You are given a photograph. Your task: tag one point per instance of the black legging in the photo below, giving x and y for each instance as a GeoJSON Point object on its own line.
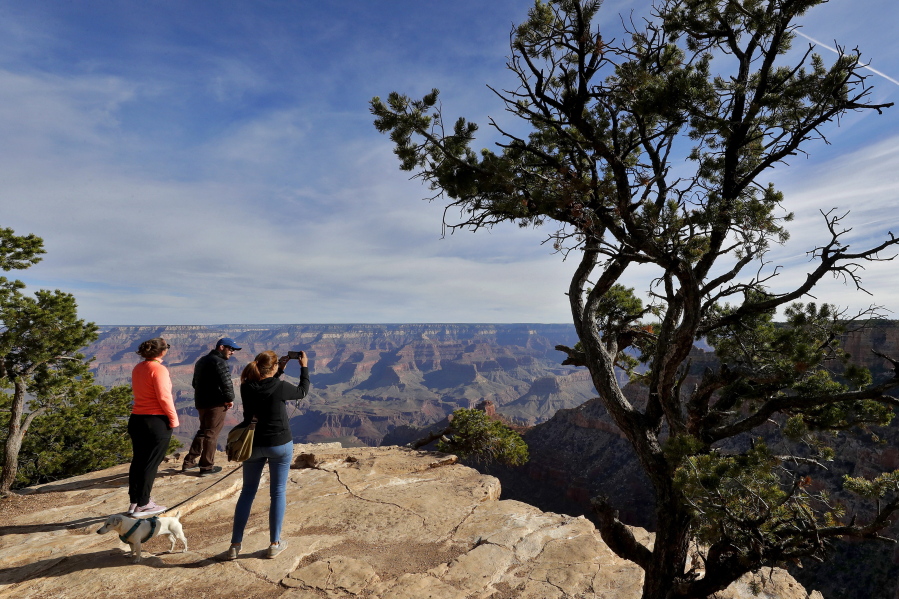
{"type": "Point", "coordinates": [150, 436]}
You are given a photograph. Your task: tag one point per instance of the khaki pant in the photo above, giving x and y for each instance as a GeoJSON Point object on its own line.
{"type": "Point", "coordinates": [206, 439]}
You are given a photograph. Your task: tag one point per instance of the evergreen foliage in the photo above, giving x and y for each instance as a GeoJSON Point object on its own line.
{"type": "Point", "coordinates": [87, 430]}
{"type": "Point", "coordinates": [472, 434]}
{"type": "Point", "coordinates": [40, 336]}
{"type": "Point", "coordinates": [712, 81]}
{"type": "Point", "coordinates": [18, 252]}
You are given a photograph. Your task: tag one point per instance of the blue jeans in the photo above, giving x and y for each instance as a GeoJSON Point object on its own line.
{"type": "Point", "coordinates": [278, 459]}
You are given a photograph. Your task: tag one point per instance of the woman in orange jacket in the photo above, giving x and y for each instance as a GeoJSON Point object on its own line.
{"type": "Point", "coordinates": [150, 426]}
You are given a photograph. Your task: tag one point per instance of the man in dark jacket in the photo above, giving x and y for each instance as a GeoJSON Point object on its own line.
{"type": "Point", "coordinates": [213, 396]}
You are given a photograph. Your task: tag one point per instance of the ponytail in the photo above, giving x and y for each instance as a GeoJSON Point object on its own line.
{"type": "Point", "coordinates": [263, 366]}
{"type": "Point", "coordinates": [250, 373]}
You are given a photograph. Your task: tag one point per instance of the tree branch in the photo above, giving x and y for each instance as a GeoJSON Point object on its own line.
{"type": "Point", "coordinates": [617, 536]}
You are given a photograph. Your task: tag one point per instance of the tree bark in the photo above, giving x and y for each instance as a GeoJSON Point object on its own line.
{"type": "Point", "coordinates": [669, 554]}
{"type": "Point", "coordinates": [430, 437]}
{"type": "Point", "coordinates": [15, 432]}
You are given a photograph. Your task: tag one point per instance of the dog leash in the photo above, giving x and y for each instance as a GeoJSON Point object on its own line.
{"type": "Point", "coordinates": [180, 503]}
{"type": "Point", "coordinates": [295, 409]}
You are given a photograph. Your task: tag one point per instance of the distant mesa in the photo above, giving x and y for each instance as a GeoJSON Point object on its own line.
{"type": "Point", "coordinates": [368, 379]}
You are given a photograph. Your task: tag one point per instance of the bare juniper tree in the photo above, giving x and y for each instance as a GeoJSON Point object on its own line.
{"type": "Point", "coordinates": [650, 153]}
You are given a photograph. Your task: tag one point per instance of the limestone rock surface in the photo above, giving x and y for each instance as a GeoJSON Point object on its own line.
{"type": "Point", "coordinates": [378, 523]}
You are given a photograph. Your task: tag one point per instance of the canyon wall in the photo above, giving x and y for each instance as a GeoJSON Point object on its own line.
{"type": "Point", "coordinates": [368, 379]}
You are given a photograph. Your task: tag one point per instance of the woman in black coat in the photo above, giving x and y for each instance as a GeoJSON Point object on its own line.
{"type": "Point", "coordinates": [264, 397]}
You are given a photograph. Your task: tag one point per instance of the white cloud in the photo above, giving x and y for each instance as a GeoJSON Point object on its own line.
{"type": "Point", "coordinates": [864, 184]}
{"type": "Point", "coordinates": [41, 112]}
{"type": "Point", "coordinates": [245, 193]}
{"type": "Point", "coordinates": [240, 245]}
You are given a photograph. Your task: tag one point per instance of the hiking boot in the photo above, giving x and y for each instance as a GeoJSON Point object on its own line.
{"type": "Point", "coordinates": [211, 471]}
{"type": "Point", "coordinates": [186, 466]}
{"type": "Point", "coordinates": [274, 550]}
{"type": "Point", "coordinates": [151, 509]}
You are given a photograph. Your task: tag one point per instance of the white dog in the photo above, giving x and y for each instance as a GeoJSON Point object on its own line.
{"type": "Point", "coordinates": [135, 531]}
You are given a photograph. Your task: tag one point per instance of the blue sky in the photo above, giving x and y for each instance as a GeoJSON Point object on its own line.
{"type": "Point", "coordinates": [200, 162]}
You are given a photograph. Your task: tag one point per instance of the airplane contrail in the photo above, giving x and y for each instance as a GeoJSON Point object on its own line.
{"type": "Point", "coordinates": [875, 71]}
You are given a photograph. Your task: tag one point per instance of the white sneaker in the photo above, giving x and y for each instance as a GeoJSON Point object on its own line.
{"type": "Point", "coordinates": [151, 509]}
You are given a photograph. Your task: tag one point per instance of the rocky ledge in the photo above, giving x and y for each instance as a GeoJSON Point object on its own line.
{"type": "Point", "coordinates": [379, 523]}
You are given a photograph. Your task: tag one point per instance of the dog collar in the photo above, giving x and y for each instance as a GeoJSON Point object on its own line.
{"type": "Point", "coordinates": [154, 522]}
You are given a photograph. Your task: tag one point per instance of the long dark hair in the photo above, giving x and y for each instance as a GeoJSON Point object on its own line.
{"type": "Point", "coordinates": [261, 367]}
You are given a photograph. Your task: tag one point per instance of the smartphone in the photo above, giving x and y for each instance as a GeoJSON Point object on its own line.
{"type": "Point", "coordinates": [294, 355]}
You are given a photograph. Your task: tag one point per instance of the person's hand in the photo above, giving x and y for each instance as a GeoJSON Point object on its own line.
{"type": "Point", "coordinates": [303, 359]}
{"type": "Point", "coordinates": [282, 362]}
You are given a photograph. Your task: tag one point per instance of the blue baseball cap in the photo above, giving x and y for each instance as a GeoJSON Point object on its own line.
{"type": "Point", "coordinates": [227, 342]}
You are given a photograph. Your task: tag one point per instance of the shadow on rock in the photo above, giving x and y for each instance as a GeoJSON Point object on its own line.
{"type": "Point", "coordinates": [112, 481]}
{"type": "Point", "coordinates": [25, 529]}
{"type": "Point", "coordinates": [115, 558]}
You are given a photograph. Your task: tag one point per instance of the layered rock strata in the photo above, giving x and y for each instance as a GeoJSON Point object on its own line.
{"type": "Point", "coordinates": [369, 379]}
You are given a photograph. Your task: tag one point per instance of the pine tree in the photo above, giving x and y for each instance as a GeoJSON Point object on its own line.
{"type": "Point", "coordinates": [472, 434]}
{"type": "Point", "coordinates": [86, 430]}
{"type": "Point", "coordinates": [39, 341]}
{"type": "Point", "coordinates": [708, 80]}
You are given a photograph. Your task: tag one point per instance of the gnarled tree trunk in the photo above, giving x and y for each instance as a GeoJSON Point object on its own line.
{"type": "Point", "coordinates": [19, 422]}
